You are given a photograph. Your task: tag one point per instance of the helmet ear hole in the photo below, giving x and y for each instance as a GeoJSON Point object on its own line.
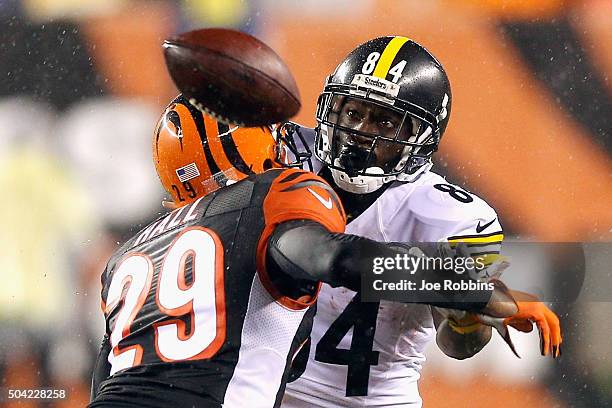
{"type": "Point", "coordinates": [268, 164]}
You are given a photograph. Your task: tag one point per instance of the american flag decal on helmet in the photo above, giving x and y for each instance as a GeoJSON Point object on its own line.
{"type": "Point", "coordinates": [187, 172]}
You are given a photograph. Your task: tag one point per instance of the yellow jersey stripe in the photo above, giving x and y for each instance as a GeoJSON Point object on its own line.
{"type": "Point", "coordinates": [491, 238]}
{"type": "Point", "coordinates": [387, 57]}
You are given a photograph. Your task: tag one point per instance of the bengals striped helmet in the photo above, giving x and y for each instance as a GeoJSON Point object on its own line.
{"type": "Point", "coordinates": [195, 155]}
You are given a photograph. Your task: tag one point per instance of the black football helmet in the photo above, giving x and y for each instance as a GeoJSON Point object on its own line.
{"type": "Point", "coordinates": [382, 113]}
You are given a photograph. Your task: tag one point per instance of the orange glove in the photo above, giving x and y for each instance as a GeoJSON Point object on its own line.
{"type": "Point", "coordinates": [530, 310]}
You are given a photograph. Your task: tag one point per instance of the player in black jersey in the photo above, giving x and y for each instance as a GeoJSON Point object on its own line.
{"type": "Point", "coordinates": [207, 305]}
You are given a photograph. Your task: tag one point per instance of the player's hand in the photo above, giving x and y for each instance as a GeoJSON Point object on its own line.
{"type": "Point", "coordinates": [530, 311]}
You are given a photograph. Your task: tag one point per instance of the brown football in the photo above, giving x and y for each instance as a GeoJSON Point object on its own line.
{"type": "Point", "coordinates": [233, 76]}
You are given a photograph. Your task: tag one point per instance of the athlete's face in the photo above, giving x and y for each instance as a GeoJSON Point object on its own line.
{"type": "Point", "coordinates": [367, 118]}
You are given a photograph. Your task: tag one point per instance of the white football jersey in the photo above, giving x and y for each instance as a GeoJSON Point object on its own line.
{"type": "Point", "coordinates": [371, 354]}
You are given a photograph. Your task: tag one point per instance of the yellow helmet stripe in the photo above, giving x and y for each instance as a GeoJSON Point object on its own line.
{"type": "Point", "coordinates": [387, 57]}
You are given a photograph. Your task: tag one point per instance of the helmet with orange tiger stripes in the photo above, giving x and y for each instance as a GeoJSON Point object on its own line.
{"type": "Point", "coordinates": [194, 154]}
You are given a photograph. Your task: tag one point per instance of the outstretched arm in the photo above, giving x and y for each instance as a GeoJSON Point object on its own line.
{"type": "Point", "coordinates": [307, 250]}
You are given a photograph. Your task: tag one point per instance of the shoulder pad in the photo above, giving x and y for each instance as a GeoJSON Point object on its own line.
{"type": "Point", "coordinates": [436, 201]}
{"type": "Point", "coordinates": [297, 194]}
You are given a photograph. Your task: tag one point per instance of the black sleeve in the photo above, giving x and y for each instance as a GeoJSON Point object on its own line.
{"type": "Point", "coordinates": [102, 368]}
{"type": "Point", "coordinates": [305, 250]}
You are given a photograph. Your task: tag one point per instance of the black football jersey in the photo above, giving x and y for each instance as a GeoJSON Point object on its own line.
{"type": "Point", "coordinates": [192, 315]}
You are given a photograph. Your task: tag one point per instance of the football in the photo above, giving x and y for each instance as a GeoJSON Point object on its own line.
{"type": "Point", "coordinates": [232, 76]}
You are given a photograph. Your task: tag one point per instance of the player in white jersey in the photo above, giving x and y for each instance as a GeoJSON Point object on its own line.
{"type": "Point", "coordinates": [380, 119]}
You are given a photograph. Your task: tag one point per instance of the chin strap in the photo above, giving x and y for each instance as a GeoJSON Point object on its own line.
{"type": "Point", "coordinates": [359, 184]}
{"type": "Point", "coordinates": [369, 184]}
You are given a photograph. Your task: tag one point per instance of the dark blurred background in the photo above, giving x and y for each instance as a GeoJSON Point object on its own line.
{"type": "Point", "coordinates": [82, 83]}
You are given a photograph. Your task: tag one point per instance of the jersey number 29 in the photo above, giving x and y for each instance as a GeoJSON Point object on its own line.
{"type": "Point", "coordinates": [202, 299]}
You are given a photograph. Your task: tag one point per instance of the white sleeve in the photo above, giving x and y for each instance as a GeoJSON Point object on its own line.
{"type": "Point", "coordinates": [482, 234]}
{"type": "Point", "coordinates": [438, 211]}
